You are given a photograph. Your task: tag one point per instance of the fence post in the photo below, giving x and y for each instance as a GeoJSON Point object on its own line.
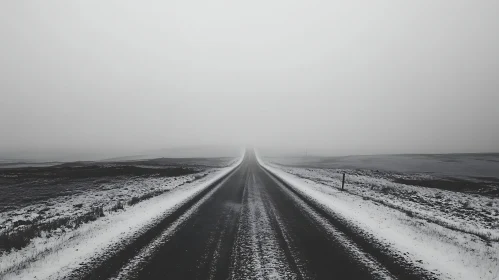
{"type": "Point", "coordinates": [343, 183]}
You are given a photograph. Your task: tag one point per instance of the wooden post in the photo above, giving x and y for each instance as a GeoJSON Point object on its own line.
{"type": "Point", "coordinates": [343, 183]}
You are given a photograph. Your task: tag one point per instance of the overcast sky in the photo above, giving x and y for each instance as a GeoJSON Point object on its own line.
{"type": "Point", "coordinates": [346, 77]}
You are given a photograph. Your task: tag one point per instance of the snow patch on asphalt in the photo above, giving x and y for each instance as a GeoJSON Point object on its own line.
{"type": "Point", "coordinates": [257, 253]}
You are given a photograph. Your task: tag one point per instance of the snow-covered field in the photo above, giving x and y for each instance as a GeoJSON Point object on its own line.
{"type": "Point", "coordinates": [107, 197]}
{"type": "Point", "coordinates": [453, 234]}
{"type": "Point", "coordinates": [445, 165]}
{"type": "Point", "coordinates": [88, 225]}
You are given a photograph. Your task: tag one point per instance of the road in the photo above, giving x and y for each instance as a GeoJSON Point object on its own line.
{"type": "Point", "coordinates": [251, 226]}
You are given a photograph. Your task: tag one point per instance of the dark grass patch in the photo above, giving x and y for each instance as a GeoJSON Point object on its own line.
{"type": "Point", "coordinates": [25, 231]}
{"type": "Point", "coordinates": [137, 199]}
{"type": "Point", "coordinates": [188, 162]}
{"type": "Point", "coordinates": [452, 184]}
{"type": "Point", "coordinates": [118, 206]}
{"type": "Point", "coordinates": [490, 179]}
{"type": "Point", "coordinates": [439, 195]}
{"type": "Point", "coordinates": [387, 190]}
{"type": "Point", "coordinates": [91, 171]}
{"type": "Point", "coordinates": [37, 185]}
{"type": "Point", "coordinates": [134, 201]}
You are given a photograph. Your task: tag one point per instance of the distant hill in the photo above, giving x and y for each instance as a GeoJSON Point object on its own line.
{"type": "Point", "coordinates": [42, 157]}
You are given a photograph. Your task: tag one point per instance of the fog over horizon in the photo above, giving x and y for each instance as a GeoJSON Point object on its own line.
{"type": "Point", "coordinates": [117, 78]}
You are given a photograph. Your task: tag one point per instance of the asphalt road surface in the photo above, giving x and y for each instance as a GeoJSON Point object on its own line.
{"type": "Point", "coordinates": [252, 226]}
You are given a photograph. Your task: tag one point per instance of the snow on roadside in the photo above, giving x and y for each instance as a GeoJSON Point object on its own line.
{"type": "Point", "coordinates": [449, 253]}
{"type": "Point", "coordinates": [469, 213]}
{"type": "Point", "coordinates": [57, 256]}
{"type": "Point", "coordinates": [106, 197]}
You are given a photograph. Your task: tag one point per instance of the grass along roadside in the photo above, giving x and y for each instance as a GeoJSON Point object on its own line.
{"type": "Point", "coordinates": [19, 233]}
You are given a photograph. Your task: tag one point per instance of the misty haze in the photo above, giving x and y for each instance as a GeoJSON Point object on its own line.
{"type": "Point", "coordinates": [249, 140]}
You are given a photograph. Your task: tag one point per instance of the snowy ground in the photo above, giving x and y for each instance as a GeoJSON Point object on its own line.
{"type": "Point", "coordinates": [86, 224]}
{"type": "Point", "coordinates": [453, 234]}
{"type": "Point", "coordinates": [481, 166]}
{"type": "Point", "coordinates": [107, 197]}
